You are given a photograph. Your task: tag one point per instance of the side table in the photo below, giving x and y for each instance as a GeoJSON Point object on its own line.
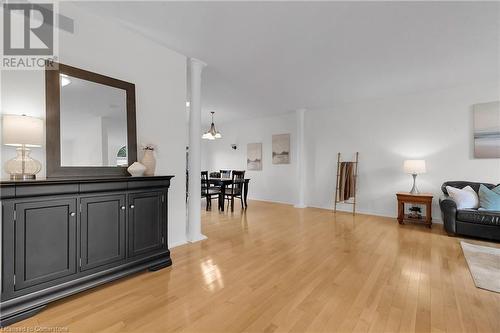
{"type": "Point", "coordinates": [409, 198]}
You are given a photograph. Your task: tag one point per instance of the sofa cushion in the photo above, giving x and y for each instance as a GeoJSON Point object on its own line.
{"type": "Point", "coordinates": [490, 199]}
{"type": "Point", "coordinates": [462, 184]}
{"type": "Point", "coordinates": [465, 198]}
{"type": "Point", "coordinates": [479, 216]}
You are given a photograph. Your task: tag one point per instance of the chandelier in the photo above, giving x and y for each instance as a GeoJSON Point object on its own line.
{"type": "Point", "coordinates": [212, 133]}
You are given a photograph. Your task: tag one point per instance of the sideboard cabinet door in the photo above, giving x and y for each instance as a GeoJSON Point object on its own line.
{"type": "Point", "coordinates": [102, 238]}
{"type": "Point", "coordinates": [45, 238]}
{"type": "Point", "coordinates": [145, 222]}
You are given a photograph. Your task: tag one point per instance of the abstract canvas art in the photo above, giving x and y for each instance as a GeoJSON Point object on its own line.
{"type": "Point", "coordinates": [487, 130]}
{"type": "Point", "coordinates": [254, 156]}
{"type": "Point", "coordinates": [281, 149]}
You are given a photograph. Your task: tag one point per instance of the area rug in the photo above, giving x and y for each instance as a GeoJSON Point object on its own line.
{"type": "Point", "coordinates": [484, 265]}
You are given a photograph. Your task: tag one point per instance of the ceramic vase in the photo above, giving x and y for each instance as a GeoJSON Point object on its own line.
{"type": "Point", "coordinates": [136, 169]}
{"type": "Point", "coordinates": [149, 161]}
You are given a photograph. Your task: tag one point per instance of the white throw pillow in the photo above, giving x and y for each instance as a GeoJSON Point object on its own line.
{"type": "Point", "coordinates": [465, 198]}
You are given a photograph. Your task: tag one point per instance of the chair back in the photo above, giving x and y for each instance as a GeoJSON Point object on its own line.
{"type": "Point", "coordinates": [215, 174]}
{"type": "Point", "coordinates": [238, 180]}
{"type": "Point", "coordinates": [204, 182]}
{"type": "Point", "coordinates": [225, 173]}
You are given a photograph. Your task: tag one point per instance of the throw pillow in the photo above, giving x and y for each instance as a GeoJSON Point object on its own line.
{"type": "Point", "coordinates": [465, 198]}
{"type": "Point", "coordinates": [489, 199]}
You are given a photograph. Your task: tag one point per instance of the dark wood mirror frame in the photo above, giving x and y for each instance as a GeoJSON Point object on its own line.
{"type": "Point", "coordinates": [53, 123]}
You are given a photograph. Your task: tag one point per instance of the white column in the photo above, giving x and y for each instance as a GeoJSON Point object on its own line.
{"type": "Point", "coordinates": [194, 163]}
{"type": "Point", "coordinates": [301, 160]}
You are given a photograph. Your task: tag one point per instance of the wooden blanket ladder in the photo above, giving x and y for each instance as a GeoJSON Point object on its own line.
{"type": "Point", "coordinates": [338, 185]}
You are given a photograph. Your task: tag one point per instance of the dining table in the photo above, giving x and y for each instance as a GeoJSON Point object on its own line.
{"type": "Point", "coordinates": [223, 183]}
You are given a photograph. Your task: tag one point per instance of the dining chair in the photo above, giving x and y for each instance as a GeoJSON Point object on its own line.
{"type": "Point", "coordinates": [236, 189]}
{"type": "Point", "coordinates": [203, 184]}
{"type": "Point", "coordinates": [208, 191]}
{"type": "Point", "coordinates": [215, 174]}
{"type": "Point", "coordinates": [225, 173]}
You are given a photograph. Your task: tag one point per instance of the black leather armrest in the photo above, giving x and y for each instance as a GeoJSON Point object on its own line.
{"type": "Point", "coordinates": [448, 213]}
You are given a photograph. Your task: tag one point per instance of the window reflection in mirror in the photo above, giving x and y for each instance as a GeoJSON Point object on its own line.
{"type": "Point", "coordinates": [93, 123]}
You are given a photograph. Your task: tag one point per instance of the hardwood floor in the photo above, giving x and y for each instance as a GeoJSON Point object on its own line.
{"type": "Point", "coordinates": [280, 269]}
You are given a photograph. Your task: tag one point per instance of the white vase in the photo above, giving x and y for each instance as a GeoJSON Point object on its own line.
{"type": "Point", "coordinates": [149, 161]}
{"type": "Point", "coordinates": [136, 169]}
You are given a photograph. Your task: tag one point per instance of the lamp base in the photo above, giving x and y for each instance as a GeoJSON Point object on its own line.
{"type": "Point", "coordinates": [414, 189]}
{"type": "Point", "coordinates": [22, 167]}
{"type": "Point", "coordinates": [22, 177]}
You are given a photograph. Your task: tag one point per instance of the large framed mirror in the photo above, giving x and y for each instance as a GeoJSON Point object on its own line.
{"type": "Point", "coordinates": [91, 127]}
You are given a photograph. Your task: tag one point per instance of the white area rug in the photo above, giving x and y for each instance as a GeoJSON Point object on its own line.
{"type": "Point", "coordinates": [484, 265]}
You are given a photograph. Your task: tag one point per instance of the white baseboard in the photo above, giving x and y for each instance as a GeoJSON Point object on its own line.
{"type": "Point", "coordinates": [300, 206]}
{"type": "Point", "coordinates": [178, 243]}
{"type": "Point", "coordinates": [434, 219]}
{"type": "Point", "coordinates": [273, 201]}
{"type": "Point", "coordinates": [364, 212]}
{"type": "Point", "coordinates": [196, 238]}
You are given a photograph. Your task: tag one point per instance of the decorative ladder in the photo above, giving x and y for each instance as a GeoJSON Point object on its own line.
{"type": "Point", "coordinates": [337, 187]}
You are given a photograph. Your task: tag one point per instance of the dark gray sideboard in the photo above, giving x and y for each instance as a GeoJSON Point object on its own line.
{"type": "Point", "coordinates": [63, 236]}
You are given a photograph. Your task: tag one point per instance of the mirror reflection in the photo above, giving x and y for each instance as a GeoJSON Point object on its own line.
{"type": "Point", "coordinates": [93, 123]}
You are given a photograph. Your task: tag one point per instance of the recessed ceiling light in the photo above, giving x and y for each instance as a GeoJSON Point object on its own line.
{"type": "Point", "coordinates": [188, 104]}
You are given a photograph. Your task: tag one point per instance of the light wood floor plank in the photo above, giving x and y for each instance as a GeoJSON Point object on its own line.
{"type": "Point", "coordinates": [275, 268]}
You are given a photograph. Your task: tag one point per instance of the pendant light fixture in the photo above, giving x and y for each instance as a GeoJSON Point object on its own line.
{"type": "Point", "coordinates": [212, 133]}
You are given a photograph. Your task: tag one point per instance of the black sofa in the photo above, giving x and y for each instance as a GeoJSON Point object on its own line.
{"type": "Point", "coordinates": [468, 222]}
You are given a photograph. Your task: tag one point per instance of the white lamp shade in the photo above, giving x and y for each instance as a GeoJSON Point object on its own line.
{"type": "Point", "coordinates": [414, 166]}
{"type": "Point", "coordinates": [22, 130]}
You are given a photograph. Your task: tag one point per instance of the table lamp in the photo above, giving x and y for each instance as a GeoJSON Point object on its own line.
{"type": "Point", "coordinates": [414, 168]}
{"type": "Point", "coordinates": [23, 132]}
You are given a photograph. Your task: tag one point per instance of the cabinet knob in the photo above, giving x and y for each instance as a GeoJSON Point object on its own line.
{"type": "Point", "coordinates": [72, 214]}
{"type": "Point", "coordinates": [122, 207]}
{"type": "Point", "coordinates": [132, 206]}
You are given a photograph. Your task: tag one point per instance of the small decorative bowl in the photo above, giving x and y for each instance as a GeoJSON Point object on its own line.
{"type": "Point", "coordinates": [136, 169]}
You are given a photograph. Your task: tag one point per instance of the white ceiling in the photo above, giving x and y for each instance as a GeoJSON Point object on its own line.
{"type": "Point", "coordinates": [268, 58]}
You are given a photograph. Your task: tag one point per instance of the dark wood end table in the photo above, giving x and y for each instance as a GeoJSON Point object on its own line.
{"type": "Point", "coordinates": [420, 198]}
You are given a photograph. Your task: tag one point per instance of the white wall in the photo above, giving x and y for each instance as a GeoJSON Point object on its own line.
{"type": "Point", "coordinates": [22, 92]}
{"type": "Point", "coordinates": [274, 182]}
{"type": "Point", "coordinates": [159, 75]}
{"type": "Point", "coordinates": [434, 126]}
